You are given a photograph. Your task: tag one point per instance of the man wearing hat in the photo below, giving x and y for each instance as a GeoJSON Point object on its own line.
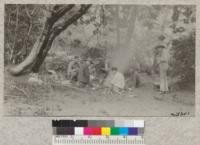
{"type": "Point", "coordinates": [163, 67]}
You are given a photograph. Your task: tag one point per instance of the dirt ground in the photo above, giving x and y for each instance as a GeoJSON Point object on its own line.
{"type": "Point", "coordinates": [22, 98]}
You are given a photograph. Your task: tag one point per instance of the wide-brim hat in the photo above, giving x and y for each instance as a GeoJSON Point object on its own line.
{"type": "Point", "coordinates": [160, 47]}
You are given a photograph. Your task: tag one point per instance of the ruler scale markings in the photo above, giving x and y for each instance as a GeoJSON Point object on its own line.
{"type": "Point", "coordinates": [103, 141]}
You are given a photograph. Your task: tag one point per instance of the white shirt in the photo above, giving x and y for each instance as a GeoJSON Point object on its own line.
{"type": "Point", "coordinates": [118, 80]}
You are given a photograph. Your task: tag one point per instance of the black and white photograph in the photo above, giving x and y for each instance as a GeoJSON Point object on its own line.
{"type": "Point", "coordinates": [99, 60]}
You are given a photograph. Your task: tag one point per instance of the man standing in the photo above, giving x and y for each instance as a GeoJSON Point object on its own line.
{"type": "Point", "coordinates": [163, 66]}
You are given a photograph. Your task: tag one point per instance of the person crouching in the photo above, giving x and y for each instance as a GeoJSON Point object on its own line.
{"type": "Point", "coordinates": [118, 81]}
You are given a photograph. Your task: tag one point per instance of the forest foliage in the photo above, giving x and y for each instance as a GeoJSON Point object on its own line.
{"type": "Point", "coordinates": [107, 31]}
{"type": "Point", "coordinates": [23, 24]}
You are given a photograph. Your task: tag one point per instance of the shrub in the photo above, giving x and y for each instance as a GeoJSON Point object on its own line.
{"type": "Point", "coordinates": [183, 63]}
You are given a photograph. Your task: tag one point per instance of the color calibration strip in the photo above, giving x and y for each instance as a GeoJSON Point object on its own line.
{"type": "Point", "coordinates": [98, 127]}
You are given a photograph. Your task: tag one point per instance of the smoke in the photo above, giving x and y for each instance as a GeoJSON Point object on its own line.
{"type": "Point", "coordinates": [122, 59]}
{"type": "Point", "coordinates": [139, 51]}
{"type": "Point", "coordinates": [142, 42]}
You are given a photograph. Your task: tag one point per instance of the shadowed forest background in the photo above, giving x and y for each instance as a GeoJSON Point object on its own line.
{"type": "Point", "coordinates": [41, 40]}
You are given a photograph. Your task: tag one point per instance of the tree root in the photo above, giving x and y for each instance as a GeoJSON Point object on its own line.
{"type": "Point", "coordinates": [21, 91]}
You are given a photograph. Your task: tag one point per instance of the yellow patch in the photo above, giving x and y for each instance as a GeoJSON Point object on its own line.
{"type": "Point", "coordinates": [105, 131]}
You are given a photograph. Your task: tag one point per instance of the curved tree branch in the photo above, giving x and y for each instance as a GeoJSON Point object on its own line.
{"type": "Point", "coordinates": [60, 12]}
{"type": "Point", "coordinates": [52, 29]}
{"type": "Point", "coordinates": [74, 17]}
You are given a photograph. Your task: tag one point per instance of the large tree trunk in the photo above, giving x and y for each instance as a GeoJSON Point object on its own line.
{"type": "Point", "coordinates": [73, 16]}
{"type": "Point", "coordinates": [51, 30]}
{"type": "Point", "coordinates": [28, 62]}
{"type": "Point", "coordinates": [117, 27]}
{"type": "Point", "coordinates": [131, 27]}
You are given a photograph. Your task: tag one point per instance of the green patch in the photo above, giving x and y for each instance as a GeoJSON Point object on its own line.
{"type": "Point", "coordinates": [114, 131]}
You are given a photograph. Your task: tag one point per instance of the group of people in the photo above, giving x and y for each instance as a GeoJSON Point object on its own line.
{"type": "Point", "coordinates": [83, 71]}
{"type": "Point", "coordinates": [78, 71]}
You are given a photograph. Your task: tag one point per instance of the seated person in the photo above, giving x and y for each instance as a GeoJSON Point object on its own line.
{"type": "Point", "coordinates": [133, 78]}
{"type": "Point", "coordinates": [118, 80]}
{"type": "Point", "coordinates": [84, 74]}
{"type": "Point", "coordinates": [74, 73]}
{"type": "Point", "coordinates": [72, 63]}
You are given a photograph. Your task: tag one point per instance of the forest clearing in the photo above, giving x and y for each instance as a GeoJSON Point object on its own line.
{"type": "Point", "coordinates": [99, 60]}
{"type": "Point", "coordinates": [48, 100]}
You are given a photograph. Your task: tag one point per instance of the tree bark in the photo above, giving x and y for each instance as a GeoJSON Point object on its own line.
{"type": "Point", "coordinates": [56, 31]}
{"type": "Point", "coordinates": [131, 27]}
{"type": "Point", "coordinates": [50, 32]}
{"type": "Point", "coordinates": [23, 66]}
{"type": "Point", "coordinates": [117, 27]}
